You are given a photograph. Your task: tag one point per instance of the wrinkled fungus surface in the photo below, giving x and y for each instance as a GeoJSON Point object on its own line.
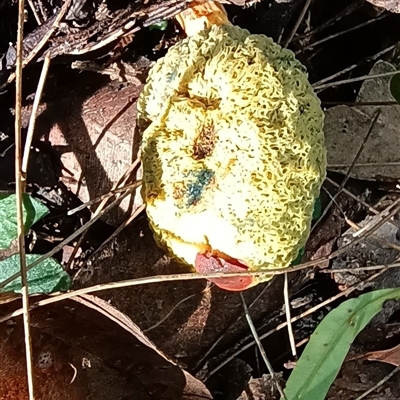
{"type": "Point", "coordinates": [233, 149]}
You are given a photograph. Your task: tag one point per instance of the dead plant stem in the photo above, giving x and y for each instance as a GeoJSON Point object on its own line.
{"type": "Point", "coordinates": [32, 119]}
{"type": "Point", "coordinates": [19, 190]}
{"type": "Point", "coordinates": [261, 348]}
{"type": "Point", "coordinates": [288, 316]}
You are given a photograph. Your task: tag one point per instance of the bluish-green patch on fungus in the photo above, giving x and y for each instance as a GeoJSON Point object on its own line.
{"type": "Point", "coordinates": [195, 189]}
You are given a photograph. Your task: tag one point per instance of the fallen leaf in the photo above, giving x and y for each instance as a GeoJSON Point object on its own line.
{"type": "Point", "coordinates": [369, 251]}
{"type": "Point", "coordinates": [101, 350]}
{"type": "Point", "coordinates": [389, 5]}
{"type": "Point", "coordinates": [93, 131]}
{"type": "Point", "coordinates": [346, 128]}
{"type": "Point", "coordinates": [390, 356]}
{"type": "Point", "coordinates": [263, 388]}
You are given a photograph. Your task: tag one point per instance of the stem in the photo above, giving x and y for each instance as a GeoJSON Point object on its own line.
{"type": "Point", "coordinates": [202, 15]}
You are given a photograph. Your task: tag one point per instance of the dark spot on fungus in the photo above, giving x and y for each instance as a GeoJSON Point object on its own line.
{"type": "Point", "coordinates": [205, 143]}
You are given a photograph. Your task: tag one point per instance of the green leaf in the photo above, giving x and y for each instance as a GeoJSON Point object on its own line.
{"type": "Point", "coordinates": [33, 211]}
{"type": "Point", "coordinates": [323, 356]}
{"type": "Point", "coordinates": [395, 87]}
{"type": "Point", "coordinates": [47, 277]}
{"type": "Point", "coordinates": [300, 255]}
{"type": "Point", "coordinates": [317, 209]}
{"type": "Point", "coordinates": [161, 26]}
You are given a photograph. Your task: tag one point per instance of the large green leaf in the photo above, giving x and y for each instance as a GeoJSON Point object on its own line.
{"type": "Point", "coordinates": [48, 276]}
{"type": "Point", "coordinates": [395, 87]}
{"type": "Point", "coordinates": [33, 211]}
{"type": "Point", "coordinates": [323, 356]}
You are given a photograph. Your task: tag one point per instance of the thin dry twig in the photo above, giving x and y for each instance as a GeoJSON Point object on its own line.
{"type": "Point", "coordinates": [271, 273]}
{"type": "Point", "coordinates": [32, 119]}
{"type": "Point", "coordinates": [120, 228]}
{"type": "Point", "coordinates": [356, 79]}
{"type": "Point", "coordinates": [366, 165]}
{"type": "Point", "coordinates": [297, 24]}
{"type": "Point", "coordinates": [19, 190]}
{"type": "Point", "coordinates": [347, 176]}
{"type": "Point", "coordinates": [371, 223]}
{"type": "Point", "coordinates": [370, 231]}
{"type": "Point", "coordinates": [362, 202]}
{"type": "Point", "coordinates": [35, 13]}
{"type": "Point", "coordinates": [380, 240]}
{"type": "Point", "coordinates": [288, 316]}
{"type": "Point", "coordinates": [111, 193]}
{"type": "Point", "coordinates": [167, 278]}
{"type": "Point", "coordinates": [353, 66]}
{"type": "Point", "coordinates": [361, 269]}
{"type": "Point", "coordinates": [195, 276]}
{"type": "Point", "coordinates": [82, 229]}
{"type": "Point", "coordinates": [380, 383]}
{"type": "Point", "coordinates": [163, 319]}
{"type": "Point", "coordinates": [127, 29]}
{"type": "Point", "coordinates": [336, 18]}
{"type": "Point", "coordinates": [223, 334]}
{"type": "Point", "coordinates": [118, 185]}
{"type": "Point", "coordinates": [75, 373]}
{"type": "Point", "coordinates": [3, 154]}
{"type": "Point", "coordinates": [35, 51]}
{"type": "Point", "coordinates": [335, 35]}
{"type": "Point", "coordinates": [261, 348]}
{"type": "Point", "coordinates": [360, 103]}
{"type": "Point", "coordinates": [284, 324]}
{"type": "Point", "coordinates": [360, 230]}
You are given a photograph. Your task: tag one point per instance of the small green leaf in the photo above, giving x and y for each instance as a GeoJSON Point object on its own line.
{"type": "Point", "coordinates": [300, 255]}
{"type": "Point", "coordinates": [161, 26]}
{"type": "Point", "coordinates": [323, 356]}
{"type": "Point", "coordinates": [33, 211]}
{"type": "Point", "coordinates": [395, 87]}
{"type": "Point", "coordinates": [317, 209]}
{"type": "Point", "coordinates": [47, 277]}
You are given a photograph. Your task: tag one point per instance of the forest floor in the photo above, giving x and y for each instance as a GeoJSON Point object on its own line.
{"type": "Point", "coordinates": [186, 339]}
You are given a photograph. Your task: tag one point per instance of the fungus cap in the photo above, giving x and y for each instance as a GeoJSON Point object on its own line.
{"type": "Point", "coordinates": [232, 149]}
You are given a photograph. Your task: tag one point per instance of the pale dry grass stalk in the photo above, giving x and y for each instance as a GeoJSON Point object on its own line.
{"type": "Point", "coordinates": [19, 191]}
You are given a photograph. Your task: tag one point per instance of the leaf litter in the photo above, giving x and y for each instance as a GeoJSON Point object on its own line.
{"type": "Point", "coordinates": [204, 316]}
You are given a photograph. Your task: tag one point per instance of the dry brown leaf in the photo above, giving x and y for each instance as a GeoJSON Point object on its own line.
{"type": "Point", "coordinates": [81, 352]}
{"type": "Point", "coordinates": [390, 356]}
{"type": "Point", "coordinates": [91, 126]}
{"type": "Point", "coordinates": [389, 5]}
{"type": "Point", "coordinates": [346, 127]}
{"type": "Point", "coordinates": [262, 388]}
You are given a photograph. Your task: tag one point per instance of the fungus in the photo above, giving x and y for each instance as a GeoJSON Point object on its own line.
{"type": "Point", "coordinates": [232, 148]}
